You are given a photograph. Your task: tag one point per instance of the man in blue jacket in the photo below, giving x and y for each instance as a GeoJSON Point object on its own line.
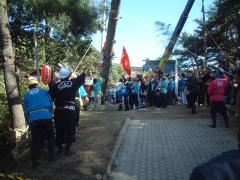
{"type": "Point", "coordinates": [38, 108]}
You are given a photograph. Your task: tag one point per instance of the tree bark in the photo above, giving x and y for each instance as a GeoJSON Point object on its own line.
{"type": "Point", "coordinates": [12, 91]}
{"type": "Point", "coordinates": [113, 17]}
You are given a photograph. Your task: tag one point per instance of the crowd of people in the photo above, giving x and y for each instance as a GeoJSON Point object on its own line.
{"type": "Point", "coordinates": [54, 114]}
{"type": "Point", "coordinates": [215, 87]}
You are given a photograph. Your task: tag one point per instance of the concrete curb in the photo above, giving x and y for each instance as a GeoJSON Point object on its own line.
{"type": "Point", "coordinates": [116, 148]}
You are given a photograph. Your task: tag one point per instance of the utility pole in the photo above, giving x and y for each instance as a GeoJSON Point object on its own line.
{"type": "Point", "coordinates": [204, 37]}
{"type": "Point", "coordinates": [175, 35]}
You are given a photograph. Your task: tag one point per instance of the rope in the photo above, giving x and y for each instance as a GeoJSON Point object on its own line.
{"type": "Point", "coordinates": [214, 41]}
{"type": "Point", "coordinates": [10, 176]}
{"type": "Point", "coordinates": [218, 68]}
{"type": "Point", "coordinates": [82, 57]}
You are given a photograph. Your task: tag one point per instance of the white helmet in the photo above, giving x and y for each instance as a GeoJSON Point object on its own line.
{"type": "Point", "coordinates": [64, 73]}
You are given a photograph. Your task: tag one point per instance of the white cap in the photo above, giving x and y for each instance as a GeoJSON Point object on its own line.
{"type": "Point", "coordinates": [64, 73]}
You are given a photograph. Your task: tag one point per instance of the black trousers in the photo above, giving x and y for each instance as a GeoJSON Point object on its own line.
{"type": "Point", "coordinates": [126, 102]}
{"type": "Point", "coordinates": [135, 100]}
{"type": "Point", "coordinates": [164, 100]}
{"type": "Point", "coordinates": [131, 100]}
{"type": "Point", "coordinates": [159, 101]}
{"type": "Point", "coordinates": [192, 97]}
{"type": "Point", "coordinates": [42, 130]}
{"type": "Point", "coordinates": [65, 125]}
{"type": "Point", "coordinates": [170, 97]}
{"type": "Point", "coordinates": [221, 108]}
{"type": "Point", "coordinates": [206, 96]}
{"type": "Point", "coordinates": [151, 98]}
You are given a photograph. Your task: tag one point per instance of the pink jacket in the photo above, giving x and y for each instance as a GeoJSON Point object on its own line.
{"type": "Point", "coordinates": [216, 89]}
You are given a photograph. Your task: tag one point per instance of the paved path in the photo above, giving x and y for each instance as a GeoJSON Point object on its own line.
{"type": "Point", "coordinates": [169, 148]}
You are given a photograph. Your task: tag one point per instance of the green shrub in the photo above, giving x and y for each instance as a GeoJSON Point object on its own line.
{"type": "Point", "coordinates": [4, 113]}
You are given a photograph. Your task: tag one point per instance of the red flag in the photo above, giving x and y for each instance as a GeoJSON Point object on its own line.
{"type": "Point", "coordinates": [125, 62]}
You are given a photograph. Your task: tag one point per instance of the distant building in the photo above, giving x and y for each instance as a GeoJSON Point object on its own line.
{"type": "Point", "coordinates": [136, 70]}
{"type": "Point", "coordinates": [153, 64]}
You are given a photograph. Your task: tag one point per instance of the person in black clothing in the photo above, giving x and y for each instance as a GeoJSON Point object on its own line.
{"type": "Point", "coordinates": [130, 88]}
{"type": "Point", "coordinates": [150, 93]}
{"type": "Point", "coordinates": [192, 88]}
{"type": "Point", "coordinates": [127, 91]}
{"type": "Point", "coordinates": [65, 116]}
{"type": "Point", "coordinates": [206, 79]}
{"type": "Point", "coordinates": [221, 167]}
{"type": "Point", "coordinates": [201, 90]}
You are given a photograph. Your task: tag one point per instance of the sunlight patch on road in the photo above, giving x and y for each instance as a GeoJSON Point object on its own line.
{"type": "Point", "coordinates": [137, 124]}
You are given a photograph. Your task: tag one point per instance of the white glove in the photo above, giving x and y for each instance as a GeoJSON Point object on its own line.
{"type": "Point", "coordinates": [73, 75]}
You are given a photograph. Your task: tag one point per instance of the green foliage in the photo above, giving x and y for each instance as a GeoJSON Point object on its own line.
{"type": "Point", "coordinates": [4, 111]}
{"type": "Point", "coordinates": [64, 29]}
{"type": "Point", "coordinates": [223, 35]}
{"type": "Point", "coordinates": [117, 73]}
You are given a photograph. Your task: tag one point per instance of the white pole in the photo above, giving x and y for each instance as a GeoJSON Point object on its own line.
{"type": "Point", "coordinates": [204, 38]}
{"type": "Point", "coordinates": [36, 52]}
{"type": "Point", "coordinates": [103, 39]}
{"type": "Point", "coordinates": [176, 77]}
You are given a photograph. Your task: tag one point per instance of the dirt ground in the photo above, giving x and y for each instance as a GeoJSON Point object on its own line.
{"type": "Point", "coordinates": [95, 139]}
{"type": "Point", "coordinates": [94, 144]}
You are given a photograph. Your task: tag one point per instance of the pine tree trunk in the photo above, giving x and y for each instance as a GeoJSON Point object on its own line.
{"type": "Point", "coordinates": [15, 107]}
{"type": "Point", "coordinates": [109, 42]}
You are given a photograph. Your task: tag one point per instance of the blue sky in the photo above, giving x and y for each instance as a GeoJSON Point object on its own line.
{"type": "Point", "coordinates": [136, 29]}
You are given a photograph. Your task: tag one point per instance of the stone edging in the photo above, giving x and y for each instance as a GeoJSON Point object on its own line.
{"type": "Point", "coordinates": [116, 148]}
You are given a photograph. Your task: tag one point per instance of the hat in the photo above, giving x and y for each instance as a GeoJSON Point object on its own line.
{"type": "Point", "coordinates": [32, 82]}
{"type": "Point", "coordinates": [64, 73]}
